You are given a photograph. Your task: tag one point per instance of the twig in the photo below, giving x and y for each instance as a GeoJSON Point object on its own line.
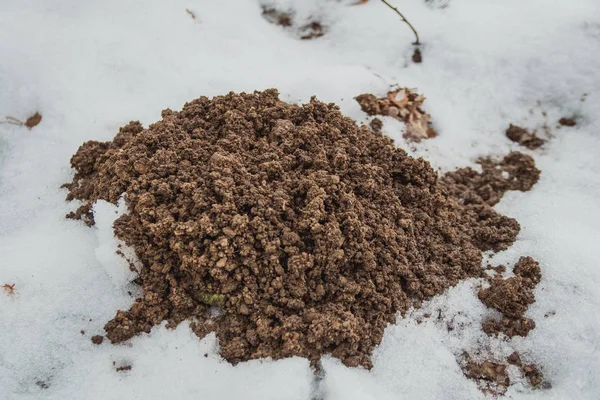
{"type": "Point", "coordinates": [416, 43]}
{"type": "Point", "coordinates": [11, 121]}
{"type": "Point", "coordinates": [191, 13]}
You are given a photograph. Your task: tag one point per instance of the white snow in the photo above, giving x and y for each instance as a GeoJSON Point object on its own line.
{"type": "Point", "coordinates": [116, 265]}
{"type": "Point", "coordinates": [90, 67]}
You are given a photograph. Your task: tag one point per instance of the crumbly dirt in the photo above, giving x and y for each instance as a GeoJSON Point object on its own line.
{"type": "Point", "coordinates": [516, 171]}
{"type": "Point", "coordinates": [288, 230]}
{"type": "Point", "coordinates": [523, 137]}
{"type": "Point", "coordinates": [376, 124]}
{"type": "Point", "coordinates": [404, 105]}
{"type": "Point", "coordinates": [512, 297]}
{"type": "Point", "coordinates": [97, 339]}
{"type": "Point", "coordinates": [491, 377]}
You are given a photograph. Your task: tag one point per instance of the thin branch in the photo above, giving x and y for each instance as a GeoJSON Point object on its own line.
{"type": "Point", "coordinates": [11, 121]}
{"type": "Point", "coordinates": [416, 43]}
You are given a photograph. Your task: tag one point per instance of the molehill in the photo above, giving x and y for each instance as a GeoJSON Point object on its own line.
{"type": "Point", "coordinates": [308, 233]}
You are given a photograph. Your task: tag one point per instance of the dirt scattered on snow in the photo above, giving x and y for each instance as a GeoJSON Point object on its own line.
{"type": "Point", "coordinates": [491, 377]}
{"type": "Point", "coordinates": [516, 171]}
{"type": "Point", "coordinates": [417, 57]}
{"type": "Point", "coordinates": [404, 105]}
{"type": "Point", "coordinates": [278, 17]}
{"type": "Point", "coordinates": [288, 230]}
{"type": "Point", "coordinates": [512, 297]}
{"type": "Point", "coordinates": [567, 121]}
{"type": "Point", "coordinates": [34, 120]}
{"type": "Point", "coordinates": [523, 137]}
{"type": "Point", "coordinates": [97, 339]}
{"type": "Point", "coordinates": [312, 30]}
{"type": "Point", "coordinates": [308, 30]}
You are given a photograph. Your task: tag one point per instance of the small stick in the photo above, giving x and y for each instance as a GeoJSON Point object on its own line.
{"type": "Point", "coordinates": [416, 43]}
{"type": "Point", "coordinates": [12, 121]}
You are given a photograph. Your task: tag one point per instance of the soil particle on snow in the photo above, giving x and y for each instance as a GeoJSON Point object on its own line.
{"type": "Point", "coordinates": [97, 339]}
{"type": "Point", "coordinates": [417, 57]}
{"type": "Point", "coordinates": [529, 371]}
{"type": "Point", "coordinates": [524, 137]}
{"type": "Point", "coordinates": [33, 121]}
{"type": "Point", "coordinates": [512, 297]}
{"type": "Point", "coordinates": [491, 377]}
{"type": "Point", "coordinates": [42, 384]}
{"type": "Point", "coordinates": [567, 121]}
{"type": "Point", "coordinates": [311, 232]}
{"type": "Point", "coordinates": [311, 29]}
{"type": "Point", "coordinates": [376, 125]}
{"type": "Point", "coordinates": [278, 17]}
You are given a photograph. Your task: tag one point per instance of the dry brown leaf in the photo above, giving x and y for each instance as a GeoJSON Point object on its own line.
{"type": "Point", "coordinates": [393, 97]}
{"type": "Point", "coordinates": [10, 289]}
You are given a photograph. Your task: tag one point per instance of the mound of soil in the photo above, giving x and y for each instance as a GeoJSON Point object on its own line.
{"type": "Point", "coordinates": [307, 233]}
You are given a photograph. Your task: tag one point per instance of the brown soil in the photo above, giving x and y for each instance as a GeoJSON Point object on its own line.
{"type": "Point", "coordinates": [97, 339]}
{"type": "Point", "coordinates": [308, 232]}
{"type": "Point", "coordinates": [124, 368]}
{"type": "Point", "coordinates": [567, 121]}
{"type": "Point", "coordinates": [417, 57]}
{"type": "Point", "coordinates": [524, 137]}
{"type": "Point", "coordinates": [34, 120]}
{"type": "Point", "coordinates": [475, 189]}
{"type": "Point", "coordinates": [278, 17]}
{"type": "Point", "coordinates": [491, 377]}
{"type": "Point", "coordinates": [403, 105]}
{"type": "Point", "coordinates": [376, 124]}
{"type": "Point", "coordinates": [312, 30]}
{"type": "Point", "coordinates": [512, 297]}
{"type": "Point", "coordinates": [309, 30]}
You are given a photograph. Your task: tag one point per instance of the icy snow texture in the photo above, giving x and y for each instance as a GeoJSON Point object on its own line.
{"type": "Point", "coordinates": [116, 265]}
{"type": "Point", "coordinates": [90, 67]}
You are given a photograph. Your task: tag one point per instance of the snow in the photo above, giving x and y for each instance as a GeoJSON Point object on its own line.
{"type": "Point", "coordinates": [90, 67]}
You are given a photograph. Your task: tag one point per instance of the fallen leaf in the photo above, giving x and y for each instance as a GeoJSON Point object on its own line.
{"type": "Point", "coordinates": [10, 289]}
{"type": "Point", "coordinates": [399, 93]}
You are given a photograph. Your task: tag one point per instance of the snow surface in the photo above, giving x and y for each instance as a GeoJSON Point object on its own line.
{"type": "Point", "coordinates": [90, 67]}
